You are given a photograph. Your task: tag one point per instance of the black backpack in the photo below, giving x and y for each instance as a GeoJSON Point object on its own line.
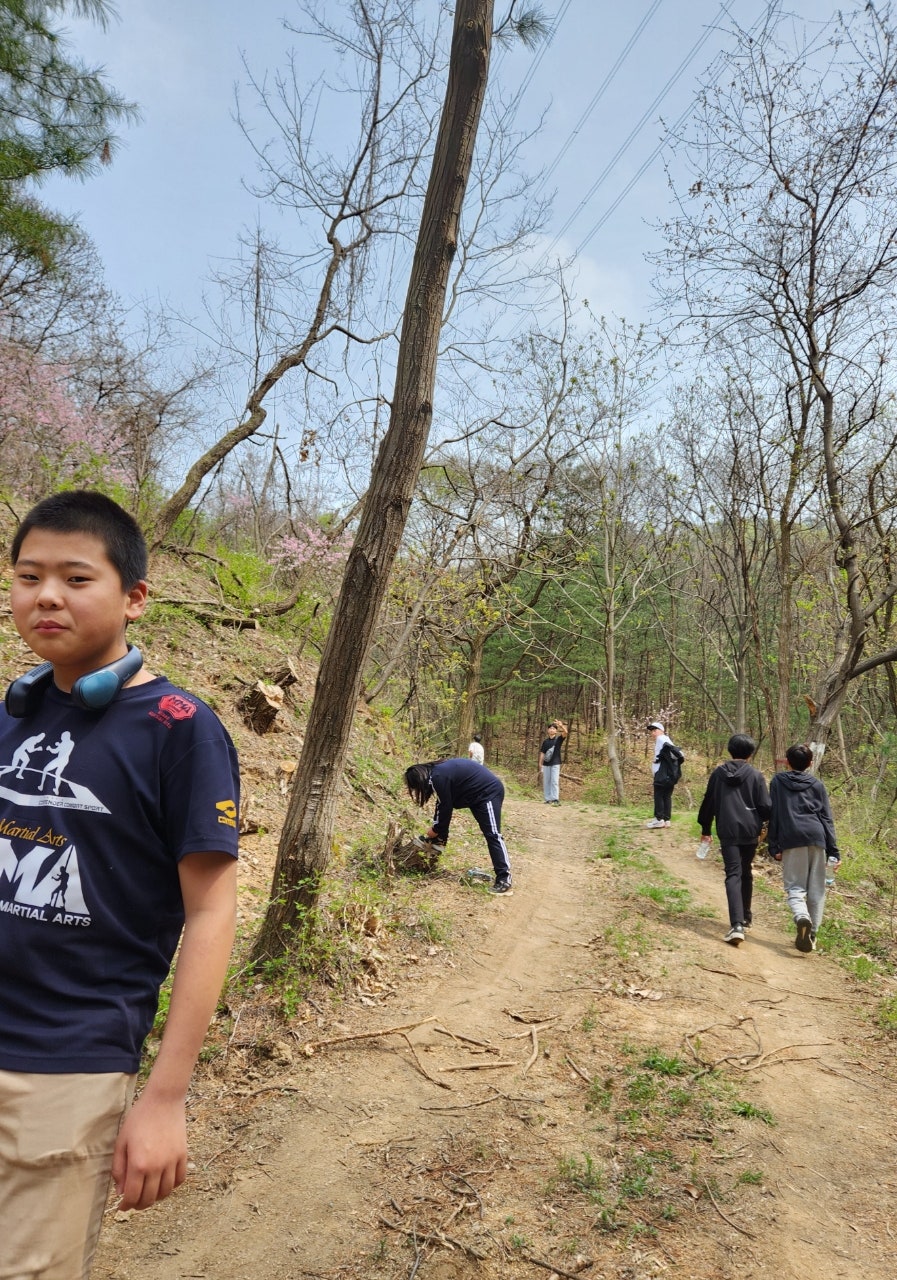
{"type": "Point", "coordinates": [670, 770]}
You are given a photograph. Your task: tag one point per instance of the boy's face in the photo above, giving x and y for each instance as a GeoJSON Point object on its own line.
{"type": "Point", "coordinates": [68, 602]}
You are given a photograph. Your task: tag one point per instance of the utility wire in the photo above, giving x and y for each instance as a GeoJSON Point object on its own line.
{"type": "Point", "coordinates": [599, 93]}
{"type": "Point", "coordinates": [534, 65]}
{"type": "Point", "coordinates": [636, 130]}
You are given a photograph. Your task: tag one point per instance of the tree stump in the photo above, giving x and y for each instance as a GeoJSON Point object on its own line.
{"type": "Point", "coordinates": [401, 856]}
{"type": "Point", "coordinates": [260, 705]}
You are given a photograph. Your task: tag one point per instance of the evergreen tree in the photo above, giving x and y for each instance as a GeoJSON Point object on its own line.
{"type": "Point", "coordinates": [56, 115]}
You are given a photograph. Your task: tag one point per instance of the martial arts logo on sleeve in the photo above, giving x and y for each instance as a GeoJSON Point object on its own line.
{"type": "Point", "coordinates": [174, 706]}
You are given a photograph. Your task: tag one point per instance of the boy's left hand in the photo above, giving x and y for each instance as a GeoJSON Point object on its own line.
{"type": "Point", "coordinates": [150, 1157]}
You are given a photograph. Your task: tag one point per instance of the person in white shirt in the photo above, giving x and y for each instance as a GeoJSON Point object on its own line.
{"type": "Point", "coordinates": [475, 750]}
{"type": "Point", "coordinates": [666, 768]}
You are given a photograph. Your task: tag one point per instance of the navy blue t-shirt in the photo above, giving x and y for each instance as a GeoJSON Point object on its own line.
{"type": "Point", "coordinates": [96, 811]}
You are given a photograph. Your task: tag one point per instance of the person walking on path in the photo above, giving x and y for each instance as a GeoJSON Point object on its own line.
{"type": "Point", "coordinates": [667, 770]}
{"type": "Point", "coordinates": [802, 837]}
{"type": "Point", "coordinates": [475, 750]}
{"type": "Point", "coordinates": [737, 799]}
{"type": "Point", "coordinates": [550, 761]}
{"type": "Point", "coordinates": [463, 784]}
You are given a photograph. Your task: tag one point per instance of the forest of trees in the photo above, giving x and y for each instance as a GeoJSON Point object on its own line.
{"type": "Point", "coordinates": [606, 519]}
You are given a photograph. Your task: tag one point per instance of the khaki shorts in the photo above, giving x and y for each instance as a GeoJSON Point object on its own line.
{"type": "Point", "coordinates": [57, 1135]}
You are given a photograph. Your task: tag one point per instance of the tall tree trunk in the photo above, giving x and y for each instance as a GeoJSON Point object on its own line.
{"type": "Point", "coordinates": [610, 663]}
{"type": "Point", "coordinates": [308, 828]}
{"type": "Point", "coordinates": [472, 682]}
{"type": "Point", "coordinates": [784, 647]}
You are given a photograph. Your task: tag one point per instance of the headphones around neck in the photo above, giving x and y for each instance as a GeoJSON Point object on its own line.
{"type": "Point", "coordinates": [93, 691]}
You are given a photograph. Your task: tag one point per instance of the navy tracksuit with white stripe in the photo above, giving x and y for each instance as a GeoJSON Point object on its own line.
{"type": "Point", "coordinates": [465, 784]}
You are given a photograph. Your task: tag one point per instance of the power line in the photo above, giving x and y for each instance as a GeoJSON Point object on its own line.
{"type": "Point", "coordinates": [599, 93]}
{"type": "Point", "coordinates": [534, 66]}
{"type": "Point", "coordinates": [769, 6]}
{"type": "Point", "coordinates": [636, 130]}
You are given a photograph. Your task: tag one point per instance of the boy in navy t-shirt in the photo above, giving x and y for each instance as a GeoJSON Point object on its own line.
{"type": "Point", "coordinates": [119, 796]}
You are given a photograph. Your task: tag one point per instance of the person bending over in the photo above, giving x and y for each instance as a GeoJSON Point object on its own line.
{"type": "Point", "coordinates": [463, 784]}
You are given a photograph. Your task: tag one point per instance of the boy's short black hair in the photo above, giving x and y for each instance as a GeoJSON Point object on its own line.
{"type": "Point", "coordinates": [741, 747]}
{"type": "Point", "coordinates": [85, 511]}
{"type": "Point", "coordinates": [799, 756]}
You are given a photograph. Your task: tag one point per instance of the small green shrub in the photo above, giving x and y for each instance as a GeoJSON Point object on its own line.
{"type": "Point", "coordinates": [750, 1112]}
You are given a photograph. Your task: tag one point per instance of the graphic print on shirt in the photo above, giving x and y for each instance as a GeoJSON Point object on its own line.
{"type": "Point", "coordinates": [44, 883]}
{"type": "Point", "coordinates": [60, 794]}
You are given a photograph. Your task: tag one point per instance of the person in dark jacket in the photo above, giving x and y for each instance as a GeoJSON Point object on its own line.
{"type": "Point", "coordinates": [550, 761]}
{"type": "Point", "coordinates": [463, 784]}
{"type": "Point", "coordinates": [737, 799]}
{"type": "Point", "coordinates": [802, 837]}
{"type": "Point", "coordinates": [666, 769]}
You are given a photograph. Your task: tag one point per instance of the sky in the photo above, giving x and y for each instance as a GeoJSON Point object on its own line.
{"type": "Point", "coordinates": [168, 211]}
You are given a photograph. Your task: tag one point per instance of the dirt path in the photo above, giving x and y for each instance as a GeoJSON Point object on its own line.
{"type": "Point", "coordinates": [548, 1110]}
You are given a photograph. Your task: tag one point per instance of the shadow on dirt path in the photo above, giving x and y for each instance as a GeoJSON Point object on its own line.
{"type": "Point", "coordinates": [510, 1128]}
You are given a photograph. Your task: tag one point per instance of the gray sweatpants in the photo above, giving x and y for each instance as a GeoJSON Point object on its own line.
{"type": "Point", "coordinates": [803, 875]}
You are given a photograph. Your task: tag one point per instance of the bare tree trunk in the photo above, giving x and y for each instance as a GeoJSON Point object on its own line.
{"type": "Point", "coordinates": [472, 682]}
{"type": "Point", "coordinates": [411, 621]}
{"type": "Point", "coordinates": [305, 842]}
{"type": "Point", "coordinates": [610, 663]}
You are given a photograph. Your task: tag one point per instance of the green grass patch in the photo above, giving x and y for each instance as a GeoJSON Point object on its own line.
{"type": "Point", "coordinates": [886, 1015]}
{"type": "Point", "coordinates": [750, 1112]}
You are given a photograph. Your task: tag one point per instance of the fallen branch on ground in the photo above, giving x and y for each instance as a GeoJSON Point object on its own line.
{"type": "Point", "coordinates": [480, 1066]}
{"type": "Point", "coordinates": [535, 1053]}
{"type": "Point", "coordinates": [583, 1075]}
{"type": "Point", "coordinates": [311, 1045]}
{"type": "Point", "coordinates": [435, 1237]}
{"type": "Point", "coordinates": [732, 1224]}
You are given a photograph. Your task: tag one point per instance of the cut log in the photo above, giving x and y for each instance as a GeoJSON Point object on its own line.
{"type": "Point", "coordinates": [259, 706]}
{"type": "Point", "coordinates": [285, 676]}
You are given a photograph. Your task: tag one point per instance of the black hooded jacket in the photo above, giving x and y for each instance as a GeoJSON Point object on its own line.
{"type": "Point", "coordinates": [801, 814]}
{"type": "Point", "coordinates": [737, 797]}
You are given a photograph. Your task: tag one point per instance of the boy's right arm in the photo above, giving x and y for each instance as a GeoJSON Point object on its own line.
{"type": "Point", "coordinates": [150, 1157]}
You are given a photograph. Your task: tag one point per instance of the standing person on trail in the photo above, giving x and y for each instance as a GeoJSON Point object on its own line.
{"type": "Point", "coordinates": [801, 837]}
{"type": "Point", "coordinates": [550, 761]}
{"type": "Point", "coordinates": [462, 784]}
{"type": "Point", "coordinates": [475, 750]}
{"type": "Point", "coordinates": [737, 798]}
{"type": "Point", "coordinates": [667, 770]}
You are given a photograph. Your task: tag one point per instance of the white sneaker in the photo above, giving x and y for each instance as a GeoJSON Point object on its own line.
{"type": "Point", "coordinates": [735, 935]}
{"type": "Point", "coordinates": [654, 824]}
{"type": "Point", "coordinates": [666, 824]}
